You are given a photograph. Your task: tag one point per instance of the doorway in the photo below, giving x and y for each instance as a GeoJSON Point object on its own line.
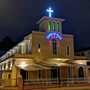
{"type": "Point", "coordinates": [80, 72]}
{"type": "Point", "coordinates": [24, 74]}
{"type": "Point", "coordinates": [55, 73]}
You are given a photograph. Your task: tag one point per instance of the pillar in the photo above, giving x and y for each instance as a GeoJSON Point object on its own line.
{"type": "Point", "coordinates": [15, 75]}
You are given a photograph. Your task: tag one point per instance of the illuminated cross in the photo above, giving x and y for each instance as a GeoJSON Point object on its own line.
{"type": "Point", "coordinates": [50, 11]}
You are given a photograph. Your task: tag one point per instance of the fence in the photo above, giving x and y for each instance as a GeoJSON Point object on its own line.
{"type": "Point", "coordinates": [44, 83]}
{"type": "Point", "coordinates": [55, 83]}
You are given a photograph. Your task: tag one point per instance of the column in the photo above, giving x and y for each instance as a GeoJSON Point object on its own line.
{"type": "Point", "coordinates": [15, 76]}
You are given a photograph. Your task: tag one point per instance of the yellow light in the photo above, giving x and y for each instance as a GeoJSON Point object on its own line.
{"type": "Point", "coordinates": [23, 64]}
{"type": "Point", "coordinates": [59, 59]}
{"type": "Point", "coordinates": [62, 64]}
{"type": "Point", "coordinates": [81, 62]}
{"type": "Point", "coordinates": [39, 50]}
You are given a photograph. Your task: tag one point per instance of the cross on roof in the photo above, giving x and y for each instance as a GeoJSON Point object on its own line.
{"type": "Point", "coordinates": [50, 11]}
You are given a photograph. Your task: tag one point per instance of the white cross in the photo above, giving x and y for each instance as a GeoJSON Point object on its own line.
{"type": "Point", "coordinates": [50, 11]}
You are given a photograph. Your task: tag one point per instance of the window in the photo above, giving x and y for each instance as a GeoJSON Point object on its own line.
{"type": "Point", "coordinates": [39, 72]}
{"type": "Point", "coordinates": [9, 76]}
{"type": "Point", "coordinates": [23, 49]}
{"type": "Point", "coordinates": [4, 66]}
{"type": "Point", "coordinates": [49, 26]}
{"type": "Point", "coordinates": [39, 48]}
{"type": "Point", "coordinates": [39, 45]}
{"type": "Point", "coordinates": [58, 26]}
{"type": "Point", "coordinates": [54, 45]}
{"type": "Point", "coordinates": [9, 65]}
{"type": "Point", "coordinates": [68, 53]}
{"type": "Point", "coordinates": [27, 74]}
{"type": "Point", "coordinates": [29, 46]}
{"type": "Point", "coordinates": [26, 48]}
{"type": "Point", "coordinates": [54, 26]}
{"type": "Point", "coordinates": [13, 61]}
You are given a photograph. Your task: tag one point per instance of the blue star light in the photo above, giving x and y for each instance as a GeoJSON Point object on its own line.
{"type": "Point", "coordinates": [50, 11]}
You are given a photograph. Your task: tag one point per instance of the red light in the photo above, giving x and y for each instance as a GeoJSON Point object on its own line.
{"type": "Point", "coordinates": [49, 43]}
{"type": "Point", "coordinates": [58, 43]}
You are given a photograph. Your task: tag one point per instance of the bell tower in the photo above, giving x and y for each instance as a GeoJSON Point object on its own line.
{"type": "Point", "coordinates": [57, 44]}
{"type": "Point", "coordinates": [50, 24]}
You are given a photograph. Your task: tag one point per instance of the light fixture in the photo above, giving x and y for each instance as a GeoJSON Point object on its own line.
{"type": "Point", "coordinates": [23, 64]}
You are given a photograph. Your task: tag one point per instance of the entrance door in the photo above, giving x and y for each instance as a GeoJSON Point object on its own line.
{"type": "Point", "coordinates": [80, 72]}
{"type": "Point", "coordinates": [23, 74]}
{"type": "Point", "coordinates": [55, 73]}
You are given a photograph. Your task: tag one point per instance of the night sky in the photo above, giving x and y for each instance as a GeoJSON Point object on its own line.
{"type": "Point", "coordinates": [18, 18]}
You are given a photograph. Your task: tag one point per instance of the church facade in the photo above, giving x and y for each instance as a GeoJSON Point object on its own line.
{"type": "Point", "coordinates": [44, 55]}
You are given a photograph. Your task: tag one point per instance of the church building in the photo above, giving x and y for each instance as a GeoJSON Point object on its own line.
{"type": "Point", "coordinates": [44, 55]}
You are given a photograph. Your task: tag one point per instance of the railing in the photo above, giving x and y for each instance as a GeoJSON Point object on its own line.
{"type": "Point", "coordinates": [55, 83]}
{"type": "Point", "coordinates": [44, 83]}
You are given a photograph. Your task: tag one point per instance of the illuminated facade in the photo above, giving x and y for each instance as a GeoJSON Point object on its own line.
{"type": "Point", "coordinates": [47, 54]}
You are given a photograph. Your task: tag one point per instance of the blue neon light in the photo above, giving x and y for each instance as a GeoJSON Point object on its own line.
{"type": "Point", "coordinates": [50, 11]}
{"type": "Point", "coordinates": [54, 35]}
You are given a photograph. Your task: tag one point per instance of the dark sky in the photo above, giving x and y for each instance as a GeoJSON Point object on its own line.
{"type": "Point", "coordinates": [19, 17]}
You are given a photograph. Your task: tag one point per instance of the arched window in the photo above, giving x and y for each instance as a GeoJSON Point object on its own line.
{"type": "Point", "coordinates": [39, 46]}
{"type": "Point", "coordinates": [80, 72]}
{"type": "Point", "coordinates": [54, 26]}
{"type": "Point", "coordinates": [54, 46]}
{"type": "Point", "coordinates": [68, 52]}
{"type": "Point", "coordinates": [49, 26]}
